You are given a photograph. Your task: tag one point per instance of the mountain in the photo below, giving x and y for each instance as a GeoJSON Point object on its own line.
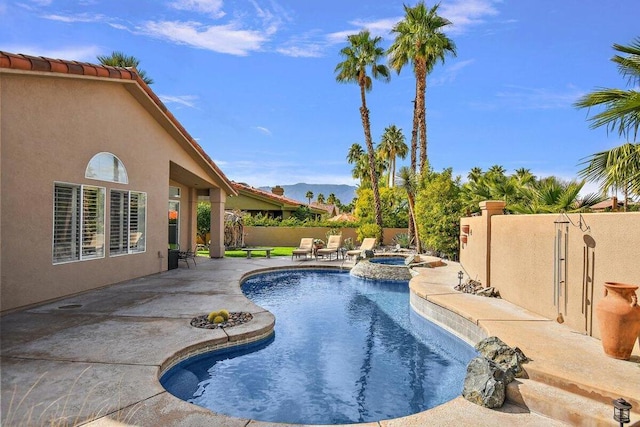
{"type": "Point", "coordinates": [345, 193]}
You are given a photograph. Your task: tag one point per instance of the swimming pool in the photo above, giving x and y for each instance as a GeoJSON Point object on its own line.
{"type": "Point", "coordinates": [345, 350]}
{"type": "Point", "coordinates": [388, 260]}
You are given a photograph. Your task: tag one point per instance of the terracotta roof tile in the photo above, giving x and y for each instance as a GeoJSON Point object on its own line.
{"type": "Point", "coordinates": [43, 64]}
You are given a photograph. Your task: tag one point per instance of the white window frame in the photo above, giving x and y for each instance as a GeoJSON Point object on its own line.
{"type": "Point", "coordinates": [81, 228]}
{"type": "Point", "coordinates": [106, 166]}
{"type": "Point", "coordinates": [127, 229]}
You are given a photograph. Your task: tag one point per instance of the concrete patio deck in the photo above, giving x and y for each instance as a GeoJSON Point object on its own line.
{"type": "Point", "coordinates": [94, 359]}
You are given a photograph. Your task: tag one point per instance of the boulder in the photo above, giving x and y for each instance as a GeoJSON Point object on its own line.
{"type": "Point", "coordinates": [484, 384]}
{"type": "Point", "coordinates": [509, 359]}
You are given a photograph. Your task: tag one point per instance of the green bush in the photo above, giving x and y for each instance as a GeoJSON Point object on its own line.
{"type": "Point", "coordinates": [368, 230]}
{"type": "Point", "coordinates": [218, 319]}
{"type": "Point", "coordinates": [348, 244]}
{"type": "Point", "coordinates": [224, 314]}
{"type": "Point", "coordinates": [212, 316]}
{"type": "Point", "coordinates": [403, 240]}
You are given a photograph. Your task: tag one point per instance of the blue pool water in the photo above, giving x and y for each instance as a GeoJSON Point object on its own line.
{"type": "Point", "coordinates": [388, 260]}
{"type": "Point", "coordinates": [345, 350]}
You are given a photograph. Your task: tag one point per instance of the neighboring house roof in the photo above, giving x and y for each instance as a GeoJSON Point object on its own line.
{"type": "Point", "coordinates": [609, 203]}
{"type": "Point", "coordinates": [332, 210]}
{"type": "Point", "coordinates": [42, 65]}
{"type": "Point", "coordinates": [282, 201]}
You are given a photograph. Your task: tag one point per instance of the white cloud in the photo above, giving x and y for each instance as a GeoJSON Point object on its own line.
{"type": "Point", "coordinates": [264, 130]}
{"type": "Point", "coordinates": [209, 7]}
{"type": "Point", "coordinates": [184, 100]}
{"type": "Point", "coordinates": [80, 17]}
{"type": "Point", "coordinates": [380, 27]}
{"type": "Point", "coordinates": [467, 13]}
{"type": "Point", "coordinates": [450, 73]}
{"type": "Point", "coordinates": [74, 53]}
{"type": "Point", "coordinates": [217, 38]}
{"type": "Point", "coordinates": [538, 98]}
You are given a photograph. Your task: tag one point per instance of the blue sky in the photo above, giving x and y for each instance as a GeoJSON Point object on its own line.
{"type": "Point", "coordinates": [253, 80]}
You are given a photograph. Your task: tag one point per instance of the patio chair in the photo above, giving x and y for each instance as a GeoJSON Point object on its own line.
{"type": "Point", "coordinates": [305, 248]}
{"type": "Point", "coordinates": [368, 243]}
{"type": "Point", "coordinates": [333, 247]}
{"type": "Point", "coordinates": [186, 256]}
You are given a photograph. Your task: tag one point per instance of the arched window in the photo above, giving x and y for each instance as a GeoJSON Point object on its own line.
{"type": "Point", "coordinates": [106, 167]}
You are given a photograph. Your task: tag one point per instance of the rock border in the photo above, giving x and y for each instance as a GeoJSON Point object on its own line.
{"type": "Point", "coordinates": [235, 318]}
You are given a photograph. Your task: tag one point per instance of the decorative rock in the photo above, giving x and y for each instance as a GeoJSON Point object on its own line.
{"type": "Point", "coordinates": [366, 254]}
{"type": "Point", "coordinates": [411, 259]}
{"type": "Point", "coordinates": [235, 318]}
{"type": "Point", "coordinates": [509, 359]}
{"type": "Point", "coordinates": [484, 384]}
{"type": "Point", "coordinates": [370, 270]}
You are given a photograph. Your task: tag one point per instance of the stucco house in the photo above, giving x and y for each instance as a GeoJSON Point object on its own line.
{"type": "Point", "coordinates": [272, 204]}
{"type": "Point", "coordinates": [97, 178]}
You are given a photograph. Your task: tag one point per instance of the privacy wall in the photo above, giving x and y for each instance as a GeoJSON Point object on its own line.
{"type": "Point", "coordinates": [553, 264]}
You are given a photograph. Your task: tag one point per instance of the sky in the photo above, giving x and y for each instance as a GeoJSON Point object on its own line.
{"type": "Point", "coordinates": [253, 81]}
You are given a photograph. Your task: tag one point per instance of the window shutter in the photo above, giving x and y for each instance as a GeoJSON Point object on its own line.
{"type": "Point", "coordinates": [66, 223]}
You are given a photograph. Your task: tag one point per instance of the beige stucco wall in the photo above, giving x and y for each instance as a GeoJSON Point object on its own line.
{"type": "Point", "coordinates": [50, 127]}
{"type": "Point", "coordinates": [290, 236]}
{"type": "Point", "coordinates": [522, 261]}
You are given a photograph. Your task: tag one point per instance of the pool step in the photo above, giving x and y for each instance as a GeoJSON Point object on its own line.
{"type": "Point", "coordinates": [561, 405]}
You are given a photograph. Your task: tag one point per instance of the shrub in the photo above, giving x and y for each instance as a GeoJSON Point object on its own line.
{"type": "Point", "coordinates": [348, 244]}
{"type": "Point", "coordinates": [224, 314]}
{"type": "Point", "coordinates": [368, 230]}
{"type": "Point", "coordinates": [212, 316]}
{"type": "Point", "coordinates": [403, 240]}
{"type": "Point", "coordinates": [218, 319]}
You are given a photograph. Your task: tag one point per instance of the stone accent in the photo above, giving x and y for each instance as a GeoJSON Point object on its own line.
{"type": "Point", "coordinates": [370, 270]}
{"type": "Point", "coordinates": [484, 384]}
{"type": "Point", "coordinates": [489, 373]}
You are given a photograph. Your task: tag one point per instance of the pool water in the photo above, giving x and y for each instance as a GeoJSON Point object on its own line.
{"type": "Point", "coordinates": [345, 350]}
{"type": "Point", "coordinates": [390, 260]}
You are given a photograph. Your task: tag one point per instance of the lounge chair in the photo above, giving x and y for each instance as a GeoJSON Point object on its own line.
{"type": "Point", "coordinates": [305, 248]}
{"type": "Point", "coordinates": [333, 247]}
{"type": "Point", "coordinates": [367, 244]}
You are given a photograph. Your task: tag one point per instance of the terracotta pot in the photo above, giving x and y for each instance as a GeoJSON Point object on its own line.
{"type": "Point", "coordinates": [619, 319]}
{"type": "Point", "coordinates": [465, 229]}
{"type": "Point", "coordinates": [463, 238]}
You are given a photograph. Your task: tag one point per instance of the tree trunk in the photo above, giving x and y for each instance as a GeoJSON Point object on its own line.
{"type": "Point", "coordinates": [421, 82]}
{"type": "Point", "coordinates": [414, 133]}
{"type": "Point", "coordinates": [414, 222]}
{"type": "Point", "coordinates": [364, 112]}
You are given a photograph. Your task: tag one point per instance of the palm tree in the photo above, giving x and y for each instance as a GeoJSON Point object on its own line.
{"type": "Point", "coordinates": [331, 199]}
{"type": "Point", "coordinates": [119, 59]}
{"type": "Point", "coordinates": [421, 42]}
{"type": "Point", "coordinates": [617, 168]}
{"type": "Point", "coordinates": [392, 145]}
{"type": "Point", "coordinates": [309, 196]}
{"type": "Point", "coordinates": [621, 107]}
{"type": "Point", "coordinates": [363, 52]}
{"type": "Point", "coordinates": [320, 199]}
{"type": "Point", "coordinates": [408, 181]}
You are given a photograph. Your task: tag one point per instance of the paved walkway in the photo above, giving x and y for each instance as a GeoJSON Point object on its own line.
{"type": "Point", "coordinates": [94, 359]}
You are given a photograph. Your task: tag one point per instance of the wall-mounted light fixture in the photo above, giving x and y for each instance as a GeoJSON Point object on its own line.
{"type": "Point", "coordinates": [466, 228]}
{"type": "Point", "coordinates": [460, 276]}
{"type": "Point", "coordinates": [463, 238]}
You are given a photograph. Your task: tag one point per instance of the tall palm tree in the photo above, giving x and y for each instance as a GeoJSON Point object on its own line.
{"type": "Point", "coordinates": [391, 146]}
{"type": "Point", "coordinates": [320, 199]}
{"type": "Point", "coordinates": [420, 41]}
{"type": "Point", "coordinates": [355, 151]}
{"type": "Point", "coordinates": [309, 196]}
{"type": "Point", "coordinates": [617, 168]}
{"type": "Point", "coordinates": [364, 52]}
{"type": "Point", "coordinates": [331, 199]}
{"type": "Point", "coordinates": [119, 59]}
{"type": "Point", "coordinates": [621, 107]}
{"type": "Point", "coordinates": [408, 181]}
